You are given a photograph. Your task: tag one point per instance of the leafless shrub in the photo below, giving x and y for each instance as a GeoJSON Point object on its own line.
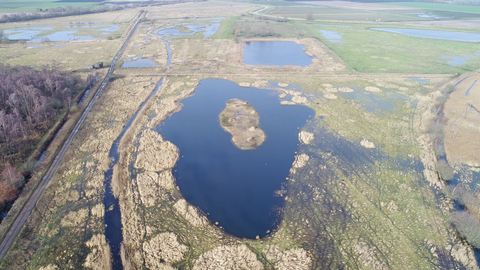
{"type": "Point", "coordinates": [468, 226]}
{"type": "Point", "coordinates": [444, 170]}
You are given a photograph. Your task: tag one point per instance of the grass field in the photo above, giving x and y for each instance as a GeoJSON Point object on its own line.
{"type": "Point", "coordinates": [32, 5]}
{"type": "Point", "coordinates": [434, 6]}
{"type": "Point", "coordinates": [332, 13]}
{"type": "Point", "coordinates": [367, 50]}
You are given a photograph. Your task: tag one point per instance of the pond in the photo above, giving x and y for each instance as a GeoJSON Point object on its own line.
{"type": "Point", "coordinates": [275, 53]}
{"type": "Point", "coordinates": [446, 35]}
{"type": "Point", "coordinates": [234, 187]}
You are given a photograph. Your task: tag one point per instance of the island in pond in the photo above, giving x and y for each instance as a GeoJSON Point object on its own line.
{"type": "Point", "coordinates": [240, 119]}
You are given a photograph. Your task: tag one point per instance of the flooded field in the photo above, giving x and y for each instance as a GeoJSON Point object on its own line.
{"type": "Point", "coordinates": [47, 33]}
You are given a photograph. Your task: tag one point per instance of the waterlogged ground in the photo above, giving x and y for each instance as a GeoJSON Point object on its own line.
{"type": "Point", "coordinates": [360, 190]}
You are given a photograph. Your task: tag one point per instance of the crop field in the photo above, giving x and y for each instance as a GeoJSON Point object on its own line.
{"type": "Point", "coordinates": [362, 193]}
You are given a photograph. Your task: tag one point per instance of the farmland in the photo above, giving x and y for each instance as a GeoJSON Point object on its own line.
{"type": "Point", "coordinates": [361, 190]}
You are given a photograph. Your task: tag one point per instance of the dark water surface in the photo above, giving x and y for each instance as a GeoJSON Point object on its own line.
{"type": "Point", "coordinates": [235, 187]}
{"type": "Point", "coordinates": [275, 53]}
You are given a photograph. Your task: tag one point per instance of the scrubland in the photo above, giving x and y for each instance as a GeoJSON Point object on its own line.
{"type": "Point", "coordinates": [363, 192]}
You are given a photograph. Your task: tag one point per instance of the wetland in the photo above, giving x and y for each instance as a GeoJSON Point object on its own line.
{"type": "Point", "coordinates": [225, 139]}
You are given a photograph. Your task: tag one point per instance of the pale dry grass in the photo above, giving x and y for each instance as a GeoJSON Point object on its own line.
{"type": "Point", "coordinates": [361, 6]}
{"type": "Point", "coordinates": [73, 55]}
{"type": "Point", "coordinates": [199, 9]}
{"type": "Point", "coordinates": [462, 131]}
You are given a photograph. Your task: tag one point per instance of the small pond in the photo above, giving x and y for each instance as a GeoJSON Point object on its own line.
{"type": "Point", "coordinates": [446, 35]}
{"type": "Point", "coordinates": [275, 53]}
{"type": "Point", "coordinates": [138, 61]}
{"type": "Point", "coordinates": [420, 80]}
{"type": "Point", "coordinates": [234, 187]}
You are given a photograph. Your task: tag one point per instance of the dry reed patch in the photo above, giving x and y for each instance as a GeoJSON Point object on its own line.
{"type": "Point", "coordinates": [154, 154]}
{"type": "Point", "coordinates": [73, 55]}
{"type": "Point", "coordinates": [199, 9]}
{"type": "Point", "coordinates": [306, 137]}
{"type": "Point", "coordinates": [293, 259]}
{"type": "Point", "coordinates": [99, 257]}
{"type": "Point", "coordinates": [462, 131]}
{"type": "Point", "coordinates": [205, 52]}
{"type": "Point", "coordinates": [163, 248]}
{"type": "Point", "coordinates": [228, 257]}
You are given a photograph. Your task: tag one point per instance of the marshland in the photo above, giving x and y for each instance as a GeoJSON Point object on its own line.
{"type": "Point", "coordinates": [250, 135]}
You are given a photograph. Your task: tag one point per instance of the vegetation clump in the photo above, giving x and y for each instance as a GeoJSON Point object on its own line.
{"type": "Point", "coordinates": [240, 119]}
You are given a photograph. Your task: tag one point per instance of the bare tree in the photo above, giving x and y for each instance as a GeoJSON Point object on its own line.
{"type": "Point", "coordinates": [309, 16]}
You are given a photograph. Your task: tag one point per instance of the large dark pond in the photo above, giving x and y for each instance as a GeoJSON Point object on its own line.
{"type": "Point", "coordinates": [235, 187]}
{"type": "Point", "coordinates": [275, 53]}
{"type": "Point", "coordinates": [447, 35]}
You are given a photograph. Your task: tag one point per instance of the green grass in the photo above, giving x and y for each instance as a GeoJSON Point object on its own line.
{"type": "Point", "coordinates": [32, 5]}
{"type": "Point", "coordinates": [327, 13]}
{"type": "Point", "coordinates": [445, 7]}
{"type": "Point", "coordinates": [366, 50]}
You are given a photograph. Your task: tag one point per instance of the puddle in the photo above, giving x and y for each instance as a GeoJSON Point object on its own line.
{"type": "Point", "coordinates": [456, 60]}
{"type": "Point", "coordinates": [332, 36]}
{"type": "Point", "coordinates": [468, 91]}
{"type": "Point", "coordinates": [235, 187]}
{"type": "Point", "coordinates": [138, 61]}
{"type": "Point", "coordinates": [419, 80]}
{"type": "Point", "coordinates": [111, 28]}
{"type": "Point", "coordinates": [446, 35]}
{"type": "Point", "coordinates": [430, 15]}
{"type": "Point", "coordinates": [275, 53]}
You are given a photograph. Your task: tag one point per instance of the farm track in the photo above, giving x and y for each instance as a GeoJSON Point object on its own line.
{"type": "Point", "coordinates": [28, 207]}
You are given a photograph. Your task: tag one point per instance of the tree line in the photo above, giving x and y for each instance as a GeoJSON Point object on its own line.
{"type": "Point", "coordinates": [30, 101]}
{"type": "Point", "coordinates": [56, 12]}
